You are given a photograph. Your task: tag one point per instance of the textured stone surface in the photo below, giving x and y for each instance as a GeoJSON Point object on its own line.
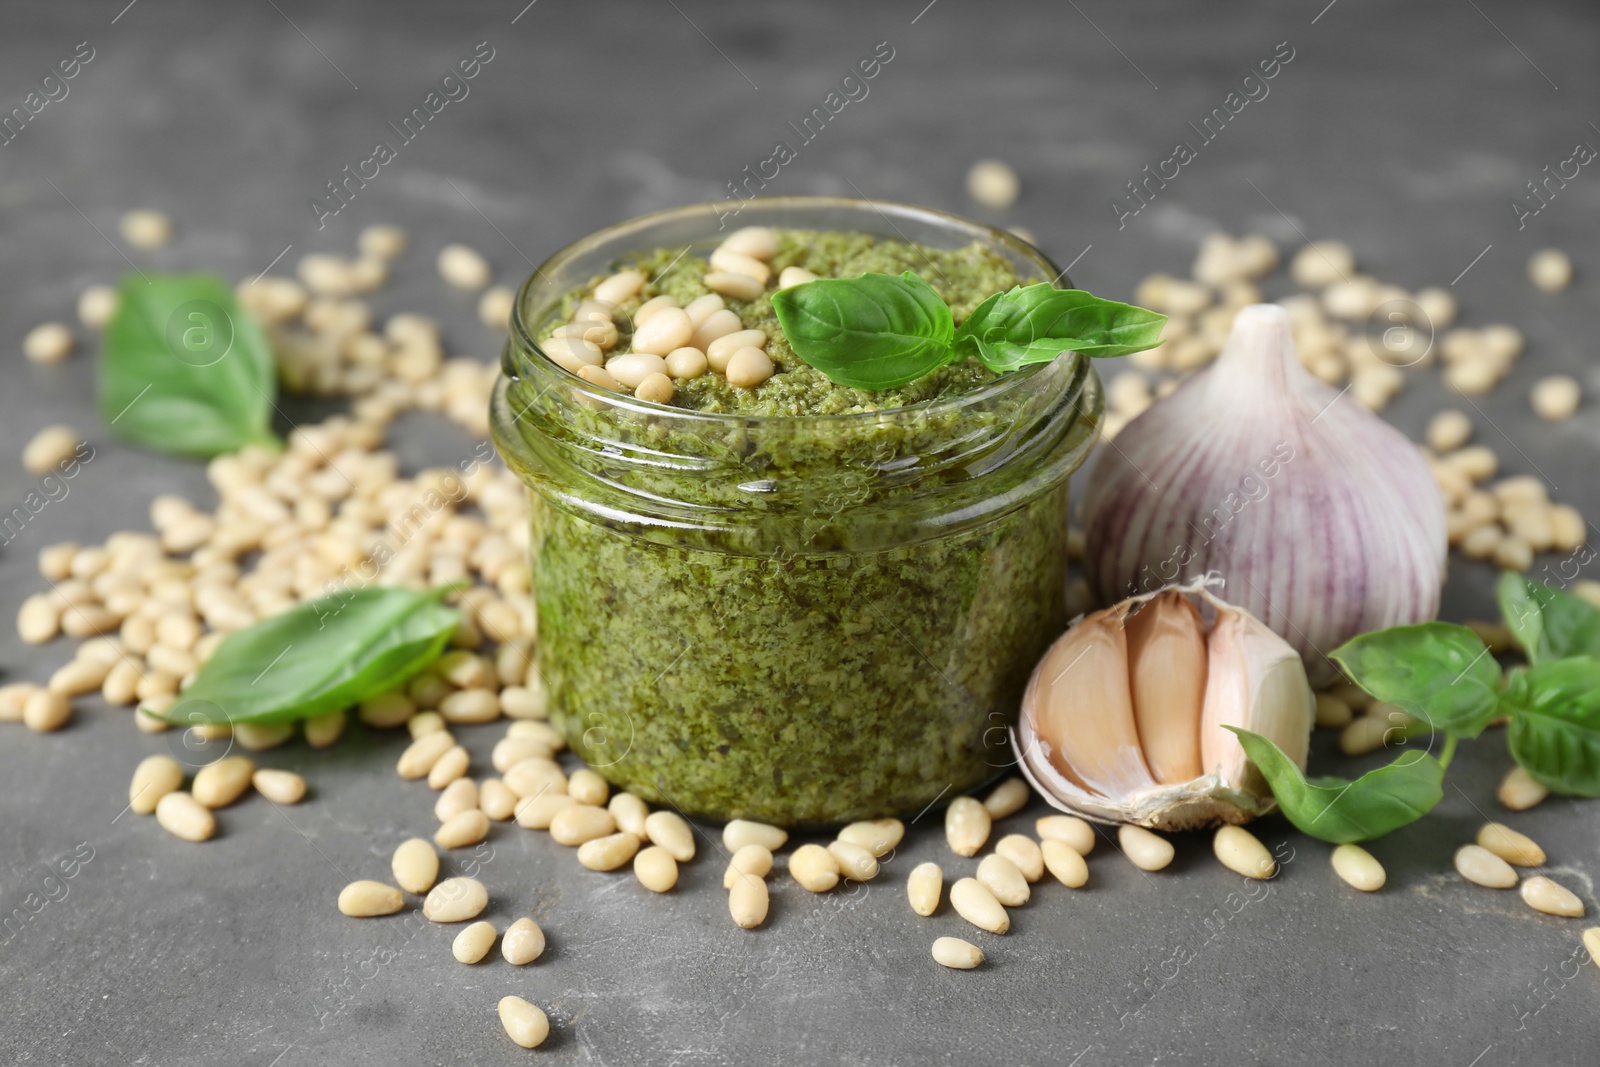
{"type": "Point", "coordinates": [1404, 130]}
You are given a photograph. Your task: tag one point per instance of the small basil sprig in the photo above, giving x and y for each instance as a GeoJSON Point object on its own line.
{"type": "Point", "coordinates": [1341, 810]}
{"type": "Point", "coordinates": [1445, 676]}
{"type": "Point", "coordinates": [184, 370]}
{"type": "Point", "coordinates": [318, 657]}
{"type": "Point", "coordinates": [878, 331]}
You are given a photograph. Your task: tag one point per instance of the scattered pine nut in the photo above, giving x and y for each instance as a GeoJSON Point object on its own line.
{"type": "Point", "coordinates": [974, 902]}
{"type": "Point", "coordinates": [620, 287]}
{"type": "Point", "coordinates": [524, 1023]}
{"type": "Point", "coordinates": [956, 954]}
{"type": "Point", "coordinates": [536, 776]}
{"type": "Point", "coordinates": [1068, 829]}
{"type": "Point", "coordinates": [855, 862]}
{"type": "Point", "coordinates": [1364, 735]}
{"type": "Point", "coordinates": [463, 829]}
{"type": "Point", "coordinates": [497, 800]}
{"type": "Point", "coordinates": [96, 305]}
{"type": "Point", "coordinates": [48, 342]}
{"type": "Point", "coordinates": [387, 710]}
{"type": "Point", "coordinates": [473, 943]}
{"type": "Point", "coordinates": [814, 868]}
{"type": "Point", "coordinates": [455, 900]}
{"type": "Point", "coordinates": [539, 811]}
{"type": "Point", "coordinates": [1550, 269]}
{"type": "Point", "coordinates": [145, 228]}
{"type": "Point", "coordinates": [879, 836]}
{"type": "Point", "coordinates": [154, 778]}
{"type": "Point", "coordinates": [1556, 398]}
{"type": "Point", "coordinates": [656, 870]}
{"type": "Point", "coordinates": [459, 796]}
{"type": "Point", "coordinates": [748, 902]}
{"type": "Point", "coordinates": [46, 711]}
{"type": "Point", "coordinates": [1519, 850]}
{"type": "Point", "coordinates": [581, 824]}
{"type": "Point", "coordinates": [49, 449]}
{"type": "Point", "coordinates": [1552, 898]}
{"type": "Point", "coordinates": [1148, 851]}
{"type": "Point", "coordinates": [367, 899]}
{"type": "Point", "coordinates": [420, 756]}
{"type": "Point", "coordinates": [463, 267]}
{"type": "Point", "coordinates": [1448, 431]}
{"type": "Point", "coordinates": [587, 787]}
{"type": "Point", "coordinates": [751, 859]}
{"type": "Point", "coordinates": [280, 787]}
{"type": "Point", "coordinates": [1358, 867]}
{"type": "Point", "coordinates": [182, 816]}
{"type": "Point", "coordinates": [1008, 798]}
{"type": "Point", "coordinates": [1065, 863]}
{"type": "Point", "coordinates": [748, 367]}
{"type": "Point", "coordinates": [415, 866]}
{"type": "Point", "coordinates": [522, 943]}
{"type": "Point", "coordinates": [741, 832]}
{"type": "Point", "coordinates": [993, 183]}
{"type": "Point", "coordinates": [1332, 713]}
{"type": "Point", "coordinates": [1519, 792]}
{"type": "Point", "coordinates": [966, 825]}
{"type": "Point", "coordinates": [1024, 852]}
{"type": "Point", "coordinates": [609, 852]}
{"type": "Point", "coordinates": [758, 242]}
{"type": "Point", "coordinates": [630, 813]}
{"type": "Point", "coordinates": [494, 307]}
{"type": "Point", "coordinates": [1481, 867]}
{"type": "Point", "coordinates": [1591, 941]}
{"type": "Point", "coordinates": [1241, 852]}
{"type": "Point", "coordinates": [449, 767]}
{"type": "Point", "coordinates": [923, 887]}
{"type": "Point", "coordinates": [1002, 878]}
{"type": "Point", "coordinates": [737, 286]}
{"type": "Point", "coordinates": [256, 737]}
{"type": "Point", "coordinates": [218, 784]}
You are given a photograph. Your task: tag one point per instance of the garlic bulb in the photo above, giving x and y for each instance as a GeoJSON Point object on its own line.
{"type": "Point", "coordinates": [1324, 521]}
{"type": "Point", "coordinates": [1123, 718]}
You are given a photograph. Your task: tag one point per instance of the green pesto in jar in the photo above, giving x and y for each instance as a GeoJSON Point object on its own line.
{"type": "Point", "coordinates": [810, 620]}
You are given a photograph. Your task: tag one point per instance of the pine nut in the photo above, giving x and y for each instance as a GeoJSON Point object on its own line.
{"type": "Point", "coordinates": [510, 751]}
{"type": "Point", "coordinates": [727, 260]}
{"type": "Point", "coordinates": [497, 800]}
{"type": "Point", "coordinates": [386, 710]}
{"type": "Point", "coordinates": [78, 677]}
{"type": "Point", "coordinates": [473, 943]}
{"type": "Point", "coordinates": [1148, 851]}
{"type": "Point", "coordinates": [96, 305]}
{"type": "Point", "coordinates": [974, 902]}
{"type": "Point", "coordinates": [1008, 798]}
{"type": "Point", "coordinates": [720, 351]}
{"type": "Point", "coordinates": [1065, 863]}
{"type": "Point", "coordinates": [1069, 830]}
{"type": "Point", "coordinates": [581, 823]}
{"type": "Point", "coordinates": [522, 943]}
{"type": "Point", "coordinates": [49, 448]}
{"type": "Point", "coordinates": [587, 787]}
{"type": "Point", "coordinates": [38, 620]}
{"type": "Point", "coordinates": [748, 902]}
{"type": "Point", "coordinates": [154, 778]}
{"type": "Point", "coordinates": [462, 829]}
{"type": "Point", "coordinates": [259, 737]}
{"type": "Point", "coordinates": [993, 183]}
{"type": "Point", "coordinates": [449, 767]}
{"type": "Point", "coordinates": [1332, 713]}
{"type": "Point", "coordinates": [525, 1024]}
{"type": "Point", "coordinates": [1002, 878]}
{"type": "Point", "coordinates": [656, 870]}
{"type": "Point", "coordinates": [956, 954]}
{"type": "Point", "coordinates": [651, 306]}
{"type": "Point", "coordinates": [455, 900]}
{"type": "Point", "coordinates": [1358, 867]}
{"type": "Point", "coordinates": [742, 832]}
{"type": "Point", "coordinates": [145, 228]}
{"type": "Point", "coordinates": [1552, 898]}
{"type": "Point", "coordinates": [879, 837]}
{"type": "Point", "coordinates": [702, 307]}
{"type": "Point", "coordinates": [463, 268]}
{"type": "Point", "coordinates": [966, 826]}
{"type": "Point", "coordinates": [1550, 270]}
{"type": "Point", "coordinates": [923, 887]}
{"type": "Point", "coordinates": [757, 242]}
{"type": "Point", "coordinates": [1481, 867]}
{"type": "Point", "coordinates": [539, 811]}
{"type": "Point", "coordinates": [216, 785]}
{"type": "Point", "coordinates": [470, 706]}
{"type": "Point", "coordinates": [182, 816]}
{"type": "Point", "coordinates": [669, 830]}
{"type": "Point", "coordinates": [366, 899]}
{"type": "Point", "coordinates": [542, 732]}
{"type": "Point", "coordinates": [813, 867]}
{"type": "Point", "coordinates": [322, 731]}
{"type": "Point", "coordinates": [1591, 941]}
{"type": "Point", "coordinates": [793, 276]}
{"type": "Point", "coordinates": [46, 711]}
{"type": "Point", "coordinates": [420, 756]}
{"type": "Point", "coordinates": [656, 388]}
{"type": "Point", "coordinates": [737, 286]}
{"type": "Point", "coordinates": [855, 862]}
{"type": "Point", "coordinates": [632, 368]}
{"type": "Point", "coordinates": [535, 776]}
{"type": "Point", "coordinates": [48, 342]}
{"type": "Point", "coordinates": [1519, 792]}
{"type": "Point", "coordinates": [620, 287]}
{"type": "Point", "coordinates": [666, 330]}
{"type": "Point", "coordinates": [1519, 850]}
{"type": "Point", "coordinates": [13, 699]}
{"type": "Point", "coordinates": [573, 353]}
{"type": "Point", "coordinates": [719, 323]}
{"type": "Point", "coordinates": [415, 866]}
{"type": "Point", "coordinates": [686, 362]}
{"type": "Point", "coordinates": [609, 852]}
{"type": "Point", "coordinates": [747, 368]}
{"type": "Point", "coordinates": [1241, 852]}
{"type": "Point", "coordinates": [751, 859]}
{"type": "Point", "coordinates": [630, 813]}
{"type": "Point", "coordinates": [426, 722]}
{"type": "Point", "coordinates": [382, 242]}
{"type": "Point", "coordinates": [494, 307]}
{"type": "Point", "coordinates": [280, 787]}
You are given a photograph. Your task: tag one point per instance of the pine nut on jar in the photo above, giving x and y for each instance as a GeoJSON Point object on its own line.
{"type": "Point", "coordinates": [795, 602]}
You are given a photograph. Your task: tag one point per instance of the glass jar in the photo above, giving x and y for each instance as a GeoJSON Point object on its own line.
{"type": "Point", "coordinates": [801, 620]}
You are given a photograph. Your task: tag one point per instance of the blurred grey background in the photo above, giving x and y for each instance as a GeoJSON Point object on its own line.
{"type": "Point", "coordinates": [1404, 129]}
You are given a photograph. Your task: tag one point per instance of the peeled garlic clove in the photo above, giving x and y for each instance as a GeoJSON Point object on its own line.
{"type": "Point", "coordinates": [1080, 701]}
{"type": "Point", "coordinates": [1088, 750]}
{"type": "Point", "coordinates": [1167, 678]}
{"type": "Point", "coordinates": [1323, 520]}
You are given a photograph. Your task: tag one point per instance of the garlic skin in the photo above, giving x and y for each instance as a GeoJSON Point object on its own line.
{"type": "Point", "coordinates": [1098, 739]}
{"type": "Point", "coordinates": [1323, 519]}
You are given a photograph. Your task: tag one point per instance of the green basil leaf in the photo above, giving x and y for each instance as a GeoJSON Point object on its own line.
{"type": "Point", "coordinates": [1341, 810]}
{"type": "Point", "coordinates": [318, 657]}
{"type": "Point", "coordinates": [1036, 323]}
{"type": "Point", "coordinates": [184, 370]}
{"type": "Point", "coordinates": [1548, 623]}
{"type": "Point", "coordinates": [1555, 724]}
{"type": "Point", "coordinates": [1441, 673]}
{"type": "Point", "coordinates": [872, 332]}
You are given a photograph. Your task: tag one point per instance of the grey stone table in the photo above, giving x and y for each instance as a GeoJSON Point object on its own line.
{"type": "Point", "coordinates": [1406, 130]}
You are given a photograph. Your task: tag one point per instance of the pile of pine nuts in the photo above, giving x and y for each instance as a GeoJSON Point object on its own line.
{"type": "Point", "coordinates": [668, 343]}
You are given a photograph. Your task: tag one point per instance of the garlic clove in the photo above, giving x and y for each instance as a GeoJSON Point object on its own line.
{"type": "Point", "coordinates": [1167, 678]}
{"type": "Point", "coordinates": [1081, 702]}
{"type": "Point", "coordinates": [1257, 682]}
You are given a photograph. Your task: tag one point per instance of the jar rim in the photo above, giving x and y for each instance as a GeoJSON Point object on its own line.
{"type": "Point", "coordinates": [522, 342]}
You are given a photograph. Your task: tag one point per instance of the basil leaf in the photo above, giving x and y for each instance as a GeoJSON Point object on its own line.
{"type": "Point", "coordinates": [1548, 623]}
{"type": "Point", "coordinates": [1555, 724]}
{"type": "Point", "coordinates": [1441, 673]}
{"type": "Point", "coordinates": [319, 656]}
{"type": "Point", "coordinates": [1036, 323]}
{"type": "Point", "coordinates": [872, 332]}
{"type": "Point", "coordinates": [184, 370]}
{"type": "Point", "coordinates": [1341, 810]}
